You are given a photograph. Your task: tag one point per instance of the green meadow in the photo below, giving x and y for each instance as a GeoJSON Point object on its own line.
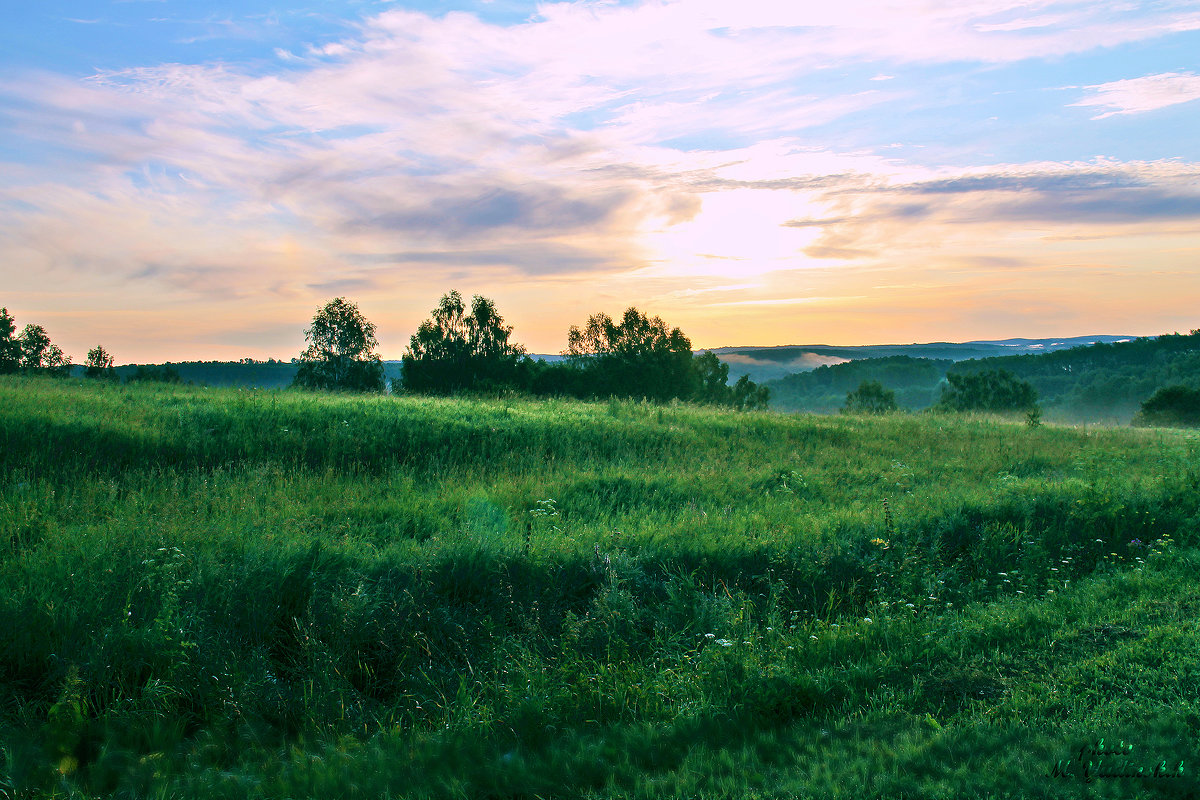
{"type": "Point", "coordinates": [272, 594]}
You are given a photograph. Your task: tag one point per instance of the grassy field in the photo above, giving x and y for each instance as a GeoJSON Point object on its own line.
{"type": "Point", "coordinates": [220, 593]}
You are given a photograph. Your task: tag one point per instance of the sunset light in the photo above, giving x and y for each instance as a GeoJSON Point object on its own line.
{"type": "Point", "coordinates": [190, 183]}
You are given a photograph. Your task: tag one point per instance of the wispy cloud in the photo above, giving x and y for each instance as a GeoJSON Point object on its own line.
{"type": "Point", "coordinates": [649, 145]}
{"type": "Point", "coordinates": [1140, 95]}
{"type": "Point", "coordinates": [1007, 206]}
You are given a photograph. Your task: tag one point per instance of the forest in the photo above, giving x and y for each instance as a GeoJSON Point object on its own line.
{"type": "Point", "coordinates": [1102, 382]}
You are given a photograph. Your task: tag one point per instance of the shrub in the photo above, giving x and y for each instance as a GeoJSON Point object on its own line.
{"type": "Point", "coordinates": [989, 390]}
{"type": "Point", "coordinates": [870, 398]}
{"type": "Point", "coordinates": [1171, 406]}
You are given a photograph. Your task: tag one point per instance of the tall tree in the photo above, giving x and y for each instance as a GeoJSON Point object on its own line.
{"type": "Point", "coordinates": [714, 389]}
{"type": "Point", "coordinates": [749, 396]}
{"type": "Point", "coordinates": [39, 353]}
{"type": "Point", "coordinates": [455, 351]}
{"type": "Point", "coordinates": [340, 354]}
{"type": "Point", "coordinates": [99, 364]}
{"type": "Point", "coordinates": [636, 357]}
{"type": "Point", "coordinates": [10, 345]}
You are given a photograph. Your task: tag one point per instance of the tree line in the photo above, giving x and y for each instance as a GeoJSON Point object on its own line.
{"type": "Point", "coordinates": [994, 391]}
{"type": "Point", "coordinates": [31, 351]}
{"type": "Point", "coordinates": [462, 348]}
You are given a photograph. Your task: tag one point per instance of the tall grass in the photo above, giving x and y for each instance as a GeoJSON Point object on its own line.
{"type": "Point", "coordinates": [223, 593]}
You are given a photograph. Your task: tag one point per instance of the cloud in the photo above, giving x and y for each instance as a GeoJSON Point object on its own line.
{"type": "Point", "coordinates": [644, 144]}
{"type": "Point", "coordinates": [1099, 193]}
{"type": "Point", "coordinates": [1140, 95]}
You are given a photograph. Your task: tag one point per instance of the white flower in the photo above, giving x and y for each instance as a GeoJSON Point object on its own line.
{"type": "Point", "coordinates": [867, 620]}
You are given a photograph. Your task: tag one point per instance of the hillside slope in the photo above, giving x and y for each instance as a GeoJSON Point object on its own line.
{"type": "Point", "coordinates": [214, 593]}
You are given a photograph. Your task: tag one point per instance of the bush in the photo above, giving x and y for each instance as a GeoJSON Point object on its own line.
{"type": "Point", "coordinates": [1177, 406]}
{"type": "Point", "coordinates": [995, 390]}
{"type": "Point", "coordinates": [870, 398]}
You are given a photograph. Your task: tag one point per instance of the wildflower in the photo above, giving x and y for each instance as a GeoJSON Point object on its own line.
{"type": "Point", "coordinates": [814, 638]}
{"type": "Point", "coordinates": [867, 620]}
{"type": "Point", "coordinates": [909, 605]}
{"type": "Point", "coordinates": [1136, 543]}
{"type": "Point", "coordinates": [710, 636]}
{"type": "Point", "coordinates": [724, 643]}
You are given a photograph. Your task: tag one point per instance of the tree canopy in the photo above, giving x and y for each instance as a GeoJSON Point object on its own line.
{"type": "Point", "coordinates": [99, 364]}
{"type": "Point", "coordinates": [636, 357]}
{"type": "Point", "coordinates": [988, 390]}
{"type": "Point", "coordinates": [454, 351]}
{"type": "Point", "coordinates": [10, 345]}
{"type": "Point", "coordinates": [712, 376]}
{"type": "Point", "coordinates": [1171, 406]}
{"type": "Point", "coordinates": [870, 398]}
{"type": "Point", "coordinates": [32, 351]}
{"type": "Point", "coordinates": [340, 354]}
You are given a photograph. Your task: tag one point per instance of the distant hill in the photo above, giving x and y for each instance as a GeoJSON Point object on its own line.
{"type": "Point", "coordinates": [1106, 381]}
{"type": "Point", "coordinates": [1101, 382]}
{"type": "Point", "coordinates": [770, 363]}
{"type": "Point", "coordinates": [823, 390]}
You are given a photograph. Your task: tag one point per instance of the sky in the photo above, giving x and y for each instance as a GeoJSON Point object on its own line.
{"type": "Point", "coordinates": [193, 179]}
